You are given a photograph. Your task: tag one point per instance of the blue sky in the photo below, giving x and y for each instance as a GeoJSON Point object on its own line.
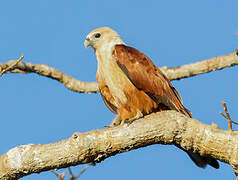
{"type": "Point", "coordinates": [39, 110]}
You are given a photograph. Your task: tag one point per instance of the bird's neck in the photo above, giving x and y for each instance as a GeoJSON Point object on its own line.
{"type": "Point", "coordinates": [105, 56]}
{"type": "Point", "coordinates": [108, 45]}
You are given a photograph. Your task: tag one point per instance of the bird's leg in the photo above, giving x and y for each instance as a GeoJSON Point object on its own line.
{"type": "Point", "coordinates": [119, 121]}
{"type": "Point", "coordinates": [115, 122]}
{"type": "Point", "coordinates": [130, 120]}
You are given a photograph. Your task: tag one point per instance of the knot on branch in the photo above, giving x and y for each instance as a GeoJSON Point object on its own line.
{"type": "Point", "coordinates": [76, 135]}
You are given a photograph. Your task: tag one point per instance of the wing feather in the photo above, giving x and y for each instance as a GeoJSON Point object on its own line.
{"type": "Point", "coordinates": [147, 77]}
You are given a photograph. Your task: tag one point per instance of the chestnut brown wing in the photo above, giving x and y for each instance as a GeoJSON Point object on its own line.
{"type": "Point", "coordinates": [147, 77]}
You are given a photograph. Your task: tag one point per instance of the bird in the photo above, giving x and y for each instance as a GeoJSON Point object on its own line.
{"type": "Point", "coordinates": [132, 86]}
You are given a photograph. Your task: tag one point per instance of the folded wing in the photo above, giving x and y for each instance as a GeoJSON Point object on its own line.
{"type": "Point", "coordinates": [147, 77]}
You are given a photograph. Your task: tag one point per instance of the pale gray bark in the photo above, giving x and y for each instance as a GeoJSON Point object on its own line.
{"type": "Point", "coordinates": [167, 127]}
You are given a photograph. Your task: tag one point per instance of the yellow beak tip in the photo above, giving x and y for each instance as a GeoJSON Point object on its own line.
{"type": "Point", "coordinates": [86, 43]}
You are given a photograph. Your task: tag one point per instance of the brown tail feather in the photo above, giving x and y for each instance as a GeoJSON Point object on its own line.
{"type": "Point", "coordinates": [202, 161]}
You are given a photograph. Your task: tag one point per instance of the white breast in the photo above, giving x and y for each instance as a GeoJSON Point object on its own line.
{"type": "Point", "coordinates": [113, 76]}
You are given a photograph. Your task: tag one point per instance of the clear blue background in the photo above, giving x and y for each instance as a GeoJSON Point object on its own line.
{"type": "Point", "coordinates": [39, 110]}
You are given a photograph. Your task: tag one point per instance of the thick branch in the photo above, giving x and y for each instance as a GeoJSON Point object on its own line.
{"type": "Point", "coordinates": [167, 127]}
{"type": "Point", "coordinates": [172, 73]}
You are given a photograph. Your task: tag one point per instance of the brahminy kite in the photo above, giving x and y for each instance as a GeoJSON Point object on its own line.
{"type": "Point", "coordinates": [132, 86]}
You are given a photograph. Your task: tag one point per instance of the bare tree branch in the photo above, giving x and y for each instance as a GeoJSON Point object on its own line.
{"type": "Point", "coordinates": [201, 67]}
{"type": "Point", "coordinates": [167, 127]}
{"type": "Point", "coordinates": [45, 70]}
{"type": "Point", "coordinates": [173, 73]}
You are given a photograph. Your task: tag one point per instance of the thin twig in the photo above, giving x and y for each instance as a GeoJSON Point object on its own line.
{"type": "Point", "coordinates": [227, 116]}
{"type": "Point", "coordinates": [84, 169]}
{"type": "Point", "coordinates": [234, 122]}
{"type": "Point", "coordinates": [60, 176]}
{"type": "Point", "coordinates": [72, 177]}
{"type": "Point", "coordinates": [11, 66]}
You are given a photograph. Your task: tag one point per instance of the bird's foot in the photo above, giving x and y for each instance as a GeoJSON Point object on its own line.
{"type": "Point", "coordinates": [118, 121]}
{"type": "Point", "coordinates": [115, 122]}
{"type": "Point", "coordinates": [130, 120]}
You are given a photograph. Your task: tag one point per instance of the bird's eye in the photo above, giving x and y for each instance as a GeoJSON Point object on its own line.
{"type": "Point", "coordinates": [97, 35]}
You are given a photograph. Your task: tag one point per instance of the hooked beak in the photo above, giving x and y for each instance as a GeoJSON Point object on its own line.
{"type": "Point", "coordinates": [87, 42]}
